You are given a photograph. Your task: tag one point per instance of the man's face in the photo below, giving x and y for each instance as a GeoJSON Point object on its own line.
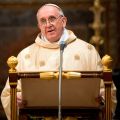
{"type": "Point", "coordinates": [51, 23]}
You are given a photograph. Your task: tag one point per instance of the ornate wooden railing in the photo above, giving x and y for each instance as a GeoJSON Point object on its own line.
{"type": "Point", "coordinates": [106, 75]}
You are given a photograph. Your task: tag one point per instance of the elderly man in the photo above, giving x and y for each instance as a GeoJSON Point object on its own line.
{"type": "Point", "coordinates": [43, 55]}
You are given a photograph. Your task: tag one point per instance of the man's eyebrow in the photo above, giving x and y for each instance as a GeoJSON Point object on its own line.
{"type": "Point", "coordinates": [48, 17]}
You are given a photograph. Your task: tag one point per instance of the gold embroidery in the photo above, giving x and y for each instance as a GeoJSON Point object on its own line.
{"type": "Point", "coordinates": [42, 63]}
{"type": "Point", "coordinates": [77, 57]}
{"type": "Point", "coordinates": [90, 47]}
{"type": "Point", "coordinates": [27, 56]}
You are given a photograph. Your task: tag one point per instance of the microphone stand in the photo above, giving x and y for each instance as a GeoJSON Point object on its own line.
{"type": "Point", "coordinates": [62, 46]}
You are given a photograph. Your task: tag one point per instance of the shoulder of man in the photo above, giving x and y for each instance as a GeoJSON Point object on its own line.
{"type": "Point", "coordinates": [84, 44]}
{"type": "Point", "coordinates": [27, 49]}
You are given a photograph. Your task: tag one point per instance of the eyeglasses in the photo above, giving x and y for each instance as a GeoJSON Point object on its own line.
{"type": "Point", "coordinates": [51, 20]}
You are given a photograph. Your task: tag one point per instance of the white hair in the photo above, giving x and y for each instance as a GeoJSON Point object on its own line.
{"type": "Point", "coordinates": [54, 5]}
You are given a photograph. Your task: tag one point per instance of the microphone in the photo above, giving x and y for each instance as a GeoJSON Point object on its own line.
{"type": "Point", "coordinates": [62, 46]}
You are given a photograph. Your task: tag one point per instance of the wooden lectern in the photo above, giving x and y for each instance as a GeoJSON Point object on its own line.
{"type": "Point", "coordinates": [72, 106]}
{"type": "Point", "coordinates": [77, 94]}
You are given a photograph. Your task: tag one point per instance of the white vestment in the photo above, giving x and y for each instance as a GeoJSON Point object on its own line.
{"type": "Point", "coordinates": [44, 56]}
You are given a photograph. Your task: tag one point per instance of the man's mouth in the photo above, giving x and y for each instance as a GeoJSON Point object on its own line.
{"type": "Point", "coordinates": [50, 31]}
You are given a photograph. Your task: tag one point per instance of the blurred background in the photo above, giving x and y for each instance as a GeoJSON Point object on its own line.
{"type": "Point", "coordinates": [95, 21]}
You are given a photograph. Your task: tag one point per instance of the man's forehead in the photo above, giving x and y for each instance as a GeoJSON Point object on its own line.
{"type": "Point", "coordinates": [47, 11]}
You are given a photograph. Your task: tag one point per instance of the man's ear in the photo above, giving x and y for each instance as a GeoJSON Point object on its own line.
{"type": "Point", "coordinates": [64, 20]}
{"type": "Point", "coordinates": [38, 25]}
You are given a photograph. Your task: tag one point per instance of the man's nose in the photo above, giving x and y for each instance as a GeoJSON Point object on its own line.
{"type": "Point", "coordinates": [48, 23]}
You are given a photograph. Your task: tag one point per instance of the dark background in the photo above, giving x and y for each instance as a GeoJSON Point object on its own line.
{"type": "Point", "coordinates": [18, 28]}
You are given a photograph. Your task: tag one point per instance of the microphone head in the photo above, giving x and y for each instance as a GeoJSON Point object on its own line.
{"type": "Point", "coordinates": [62, 45]}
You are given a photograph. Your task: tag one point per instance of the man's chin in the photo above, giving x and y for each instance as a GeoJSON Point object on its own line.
{"type": "Point", "coordinates": [53, 39]}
